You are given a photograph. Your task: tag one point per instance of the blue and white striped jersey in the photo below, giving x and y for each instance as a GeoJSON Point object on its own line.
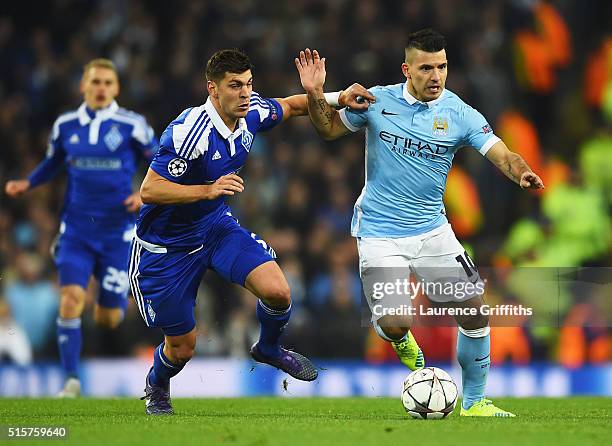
{"type": "Point", "coordinates": [101, 150]}
{"type": "Point", "coordinates": [198, 148]}
{"type": "Point", "coordinates": [410, 147]}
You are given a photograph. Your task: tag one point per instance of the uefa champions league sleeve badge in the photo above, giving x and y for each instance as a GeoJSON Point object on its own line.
{"type": "Point", "coordinates": [177, 167]}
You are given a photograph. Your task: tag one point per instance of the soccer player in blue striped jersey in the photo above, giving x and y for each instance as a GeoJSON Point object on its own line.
{"type": "Point", "coordinates": [413, 130]}
{"type": "Point", "coordinates": [185, 227]}
{"type": "Point", "coordinates": [100, 145]}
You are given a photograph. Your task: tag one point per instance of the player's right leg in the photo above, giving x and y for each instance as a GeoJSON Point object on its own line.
{"type": "Point", "coordinates": [113, 253]}
{"type": "Point", "coordinates": [164, 286]}
{"type": "Point", "coordinates": [380, 262]}
{"type": "Point", "coordinates": [74, 260]}
{"type": "Point", "coordinates": [243, 258]}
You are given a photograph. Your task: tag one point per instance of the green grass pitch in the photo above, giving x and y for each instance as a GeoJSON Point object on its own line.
{"type": "Point", "coordinates": [309, 421]}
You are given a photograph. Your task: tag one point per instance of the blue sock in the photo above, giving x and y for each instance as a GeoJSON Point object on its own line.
{"type": "Point", "coordinates": [162, 369]}
{"type": "Point", "coordinates": [69, 342]}
{"type": "Point", "coordinates": [473, 353]}
{"type": "Point", "coordinates": [272, 323]}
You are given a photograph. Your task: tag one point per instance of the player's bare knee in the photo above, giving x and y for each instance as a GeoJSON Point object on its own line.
{"type": "Point", "coordinates": [395, 327]}
{"type": "Point", "coordinates": [109, 321]}
{"type": "Point", "coordinates": [395, 332]}
{"type": "Point", "coordinates": [71, 304]}
{"type": "Point", "coordinates": [277, 296]}
{"type": "Point", "coordinates": [182, 353]}
{"type": "Point", "coordinates": [474, 322]}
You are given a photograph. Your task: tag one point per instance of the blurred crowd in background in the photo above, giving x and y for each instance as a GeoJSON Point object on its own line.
{"type": "Point", "coordinates": [541, 73]}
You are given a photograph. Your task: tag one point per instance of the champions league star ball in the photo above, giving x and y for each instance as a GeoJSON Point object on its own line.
{"type": "Point", "coordinates": [429, 393]}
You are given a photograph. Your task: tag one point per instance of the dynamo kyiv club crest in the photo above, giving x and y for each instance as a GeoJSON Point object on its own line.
{"type": "Point", "coordinates": [247, 140]}
{"type": "Point", "coordinates": [113, 139]}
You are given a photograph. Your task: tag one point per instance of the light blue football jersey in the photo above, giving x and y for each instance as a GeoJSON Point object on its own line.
{"type": "Point", "coordinates": [409, 148]}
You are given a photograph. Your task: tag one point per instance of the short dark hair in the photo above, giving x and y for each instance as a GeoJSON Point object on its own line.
{"type": "Point", "coordinates": [227, 61]}
{"type": "Point", "coordinates": [428, 40]}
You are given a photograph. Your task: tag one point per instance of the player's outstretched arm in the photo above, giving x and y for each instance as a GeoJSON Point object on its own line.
{"type": "Point", "coordinates": [156, 189]}
{"type": "Point", "coordinates": [514, 166]}
{"type": "Point", "coordinates": [326, 119]}
{"type": "Point", "coordinates": [46, 170]}
{"type": "Point", "coordinates": [353, 97]}
{"type": "Point", "coordinates": [15, 188]}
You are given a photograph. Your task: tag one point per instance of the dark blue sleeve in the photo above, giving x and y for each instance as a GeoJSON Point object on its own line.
{"type": "Point", "coordinates": [168, 163]}
{"type": "Point", "coordinates": [269, 111]}
{"type": "Point", "coordinates": [53, 163]}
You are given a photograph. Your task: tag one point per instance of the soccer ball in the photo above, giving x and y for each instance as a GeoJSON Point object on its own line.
{"type": "Point", "coordinates": [429, 393]}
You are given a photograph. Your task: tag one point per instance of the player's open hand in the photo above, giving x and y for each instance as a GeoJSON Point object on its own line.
{"type": "Point", "coordinates": [225, 185]}
{"type": "Point", "coordinates": [312, 70]}
{"type": "Point", "coordinates": [16, 188]}
{"type": "Point", "coordinates": [133, 203]}
{"type": "Point", "coordinates": [530, 180]}
{"type": "Point", "coordinates": [356, 97]}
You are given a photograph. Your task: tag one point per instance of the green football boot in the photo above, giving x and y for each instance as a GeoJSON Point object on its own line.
{"type": "Point", "coordinates": [485, 408]}
{"type": "Point", "coordinates": [409, 352]}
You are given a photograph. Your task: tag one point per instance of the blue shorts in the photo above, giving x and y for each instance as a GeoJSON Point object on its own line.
{"type": "Point", "coordinates": [77, 257]}
{"type": "Point", "coordinates": [165, 285]}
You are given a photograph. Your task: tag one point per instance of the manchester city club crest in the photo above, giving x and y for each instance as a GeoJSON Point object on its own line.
{"type": "Point", "coordinates": [113, 138]}
{"type": "Point", "coordinates": [247, 140]}
{"type": "Point", "coordinates": [440, 126]}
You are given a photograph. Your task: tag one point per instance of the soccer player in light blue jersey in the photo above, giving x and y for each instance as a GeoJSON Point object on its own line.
{"type": "Point", "coordinates": [185, 227]}
{"type": "Point", "coordinates": [413, 130]}
{"type": "Point", "coordinates": [100, 146]}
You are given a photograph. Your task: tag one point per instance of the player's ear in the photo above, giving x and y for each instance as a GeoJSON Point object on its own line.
{"type": "Point", "coordinates": [211, 86]}
{"type": "Point", "coordinates": [405, 70]}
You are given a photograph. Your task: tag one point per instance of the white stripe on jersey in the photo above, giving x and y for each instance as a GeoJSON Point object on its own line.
{"type": "Point", "coordinates": [134, 273]}
{"type": "Point", "coordinates": [200, 135]}
{"type": "Point", "coordinates": [260, 105]}
{"type": "Point", "coordinates": [56, 131]}
{"type": "Point", "coordinates": [180, 132]}
{"type": "Point", "coordinates": [141, 131]}
{"type": "Point", "coordinates": [60, 120]}
{"type": "Point", "coordinates": [202, 144]}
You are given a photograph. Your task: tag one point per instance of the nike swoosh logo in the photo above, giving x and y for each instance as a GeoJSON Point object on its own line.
{"type": "Point", "coordinates": [482, 359]}
{"type": "Point", "coordinates": [385, 112]}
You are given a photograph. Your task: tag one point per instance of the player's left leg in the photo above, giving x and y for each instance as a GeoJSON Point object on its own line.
{"type": "Point", "coordinates": [474, 356]}
{"type": "Point", "coordinates": [443, 261]}
{"type": "Point", "coordinates": [112, 256]}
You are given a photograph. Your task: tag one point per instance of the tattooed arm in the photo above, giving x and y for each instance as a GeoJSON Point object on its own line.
{"type": "Point", "coordinates": [325, 118]}
{"type": "Point", "coordinates": [514, 166]}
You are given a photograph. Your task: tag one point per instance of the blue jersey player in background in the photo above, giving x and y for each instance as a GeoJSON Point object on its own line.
{"type": "Point", "coordinates": [100, 145]}
{"type": "Point", "coordinates": [185, 227]}
{"type": "Point", "coordinates": [413, 129]}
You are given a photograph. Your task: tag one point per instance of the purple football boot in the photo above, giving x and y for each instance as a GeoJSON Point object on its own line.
{"type": "Point", "coordinates": [157, 399]}
{"type": "Point", "coordinates": [289, 362]}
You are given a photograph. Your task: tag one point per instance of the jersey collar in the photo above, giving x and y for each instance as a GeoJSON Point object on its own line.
{"type": "Point", "coordinates": [223, 130]}
{"type": "Point", "coordinates": [101, 114]}
{"type": "Point", "coordinates": [412, 100]}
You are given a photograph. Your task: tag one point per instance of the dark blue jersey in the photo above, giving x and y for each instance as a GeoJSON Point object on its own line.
{"type": "Point", "coordinates": [198, 148]}
{"type": "Point", "coordinates": [101, 151]}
